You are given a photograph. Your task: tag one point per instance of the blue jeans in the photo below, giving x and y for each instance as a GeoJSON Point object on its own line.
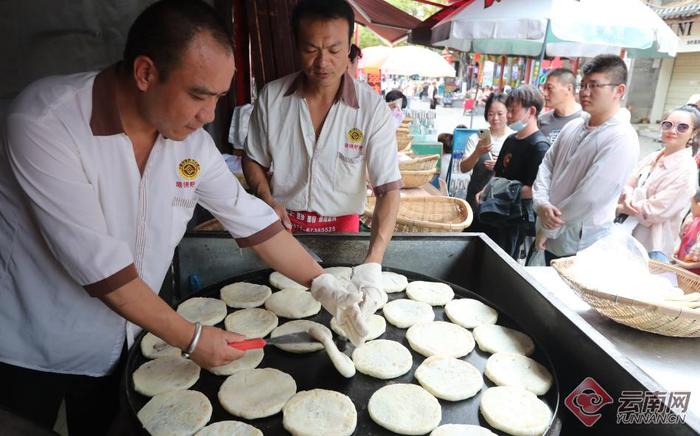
{"type": "Point", "coordinates": [658, 255]}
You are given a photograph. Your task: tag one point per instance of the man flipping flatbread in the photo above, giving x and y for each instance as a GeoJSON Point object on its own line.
{"type": "Point", "coordinates": [100, 174]}
{"type": "Point", "coordinates": [321, 133]}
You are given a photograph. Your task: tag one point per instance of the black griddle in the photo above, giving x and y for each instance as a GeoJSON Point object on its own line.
{"type": "Point", "coordinates": [314, 370]}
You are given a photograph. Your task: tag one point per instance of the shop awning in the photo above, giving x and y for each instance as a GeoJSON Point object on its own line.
{"type": "Point", "coordinates": [386, 20]}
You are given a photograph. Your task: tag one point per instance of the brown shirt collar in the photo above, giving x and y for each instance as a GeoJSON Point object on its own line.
{"type": "Point", "coordinates": [105, 119]}
{"type": "Point", "coordinates": [346, 92]}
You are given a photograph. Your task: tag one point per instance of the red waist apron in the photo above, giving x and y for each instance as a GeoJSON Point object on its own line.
{"type": "Point", "coordinates": [311, 222]}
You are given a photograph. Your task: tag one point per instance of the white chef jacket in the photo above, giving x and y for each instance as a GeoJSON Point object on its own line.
{"type": "Point", "coordinates": [79, 220]}
{"type": "Point", "coordinates": [329, 175]}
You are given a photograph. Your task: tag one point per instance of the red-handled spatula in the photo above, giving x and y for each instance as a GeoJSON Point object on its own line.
{"type": "Point", "coordinates": [293, 338]}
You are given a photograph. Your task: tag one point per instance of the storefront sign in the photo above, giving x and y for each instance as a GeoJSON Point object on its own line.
{"type": "Point", "coordinates": [688, 30]}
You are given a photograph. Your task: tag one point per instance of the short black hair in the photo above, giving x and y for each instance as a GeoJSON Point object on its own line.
{"type": "Point", "coordinates": [355, 52]}
{"type": "Point", "coordinates": [565, 76]}
{"type": "Point", "coordinates": [446, 140]}
{"type": "Point", "coordinates": [395, 94]}
{"type": "Point", "coordinates": [325, 10]}
{"type": "Point", "coordinates": [499, 97]}
{"type": "Point", "coordinates": [612, 65]}
{"type": "Point", "coordinates": [164, 30]}
{"type": "Point", "coordinates": [528, 96]}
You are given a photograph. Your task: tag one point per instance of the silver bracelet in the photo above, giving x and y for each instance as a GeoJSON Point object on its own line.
{"type": "Point", "coordinates": [195, 340]}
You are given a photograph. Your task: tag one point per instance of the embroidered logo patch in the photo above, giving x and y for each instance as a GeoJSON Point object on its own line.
{"type": "Point", "coordinates": [355, 136]}
{"type": "Point", "coordinates": [188, 169]}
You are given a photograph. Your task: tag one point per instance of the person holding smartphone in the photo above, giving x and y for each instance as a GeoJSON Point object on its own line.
{"type": "Point", "coordinates": [482, 152]}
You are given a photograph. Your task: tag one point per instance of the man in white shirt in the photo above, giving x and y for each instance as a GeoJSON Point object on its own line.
{"type": "Point", "coordinates": [560, 95]}
{"type": "Point", "coordinates": [321, 134]}
{"type": "Point", "coordinates": [583, 173]}
{"type": "Point", "coordinates": [99, 174]}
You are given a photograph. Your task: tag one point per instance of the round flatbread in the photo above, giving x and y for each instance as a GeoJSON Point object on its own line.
{"type": "Point", "coordinates": [433, 293]}
{"type": "Point", "coordinates": [449, 379]}
{"type": "Point", "coordinates": [515, 411]}
{"type": "Point", "coordinates": [280, 281]}
{"type": "Point", "coordinates": [376, 325]}
{"type": "Point", "coordinates": [319, 412]}
{"type": "Point", "coordinates": [256, 393]}
{"type": "Point", "coordinates": [382, 359]}
{"type": "Point", "coordinates": [440, 338]}
{"type": "Point", "coordinates": [393, 282]}
{"type": "Point", "coordinates": [244, 295]}
{"type": "Point", "coordinates": [293, 304]}
{"type": "Point", "coordinates": [165, 374]}
{"type": "Point", "coordinates": [251, 359]}
{"type": "Point", "coordinates": [493, 338]}
{"type": "Point", "coordinates": [404, 313]}
{"type": "Point", "coordinates": [179, 413]}
{"type": "Point", "coordinates": [251, 323]}
{"type": "Point", "coordinates": [461, 430]}
{"type": "Point", "coordinates": [207, 311]}
{"type": "Point", "coordinates": [405, 409]}
{"type": "Point", "coordinates": [340, 272]}
{"type": "Point", "coordinates": [153, 347]}
{"type": "Point", "coordinates": [296, 326]}
{"type": "Point", "coordinates": [229, 428]}
{"type": "Point", "coordinates": [511, 369]}
{"type": "Point", "coordinates": [470, 313]}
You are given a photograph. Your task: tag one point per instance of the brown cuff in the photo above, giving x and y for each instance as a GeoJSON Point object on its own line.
{"type": "Point", "coordinates": [115, 281]}
{"type": "Point", "coordinates": [261, 236]}
{"type": "Point", "coordinates": [387, 187]}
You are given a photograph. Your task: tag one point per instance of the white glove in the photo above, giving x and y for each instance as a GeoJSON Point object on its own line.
{"type": "Point", "coordinates": [368, 279]}
{"type": "Point", "coordinates": [342, 303]}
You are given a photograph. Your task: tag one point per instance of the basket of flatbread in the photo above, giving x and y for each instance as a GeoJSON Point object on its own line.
{"type": "Point", "coordinates": [644, 301]}
{"type": "Point", "coordinates": [426, 214]}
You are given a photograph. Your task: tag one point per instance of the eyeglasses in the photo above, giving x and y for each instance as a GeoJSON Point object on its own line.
{"type": "Point", "coordinates": [680, 127]}
{"type": "Point", "coordinates": [592, 85]}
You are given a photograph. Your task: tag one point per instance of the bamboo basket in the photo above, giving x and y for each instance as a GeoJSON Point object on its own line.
{"type": "Point", "coordinates": [414, 179]}
{"type": "Point", "coordinates": [403, 140]}
{"type": "Point", "coordinates": [422, 163]}
{"type": "Point", "coordinates": [426, 214]}
{"type": "Point", "coordinates": [659, 317]}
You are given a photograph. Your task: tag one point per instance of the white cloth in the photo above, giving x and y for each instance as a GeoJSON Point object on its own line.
{"type": "Point", "coordinates": [329, 175]}
{"type": "Point", "coordinates": [662, 192]}
{"type": "Point", "coordinates": [78, 216]}
{"type": "Point", "coordinates": [240, 121]}
{"type": "Point", "coordinates": [583, 174]}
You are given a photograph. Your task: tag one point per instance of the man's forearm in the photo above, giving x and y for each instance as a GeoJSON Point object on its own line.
{"type": "Point", "coordinates": [136, 302]}
{"type": "Point", "coordinates": [284, 254]}
{"type": "Point", "coordinates": [256, 176]}
{"type": "Point", "coordinates": [383, 222]}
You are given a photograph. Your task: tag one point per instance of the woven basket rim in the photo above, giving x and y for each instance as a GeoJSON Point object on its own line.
{"type": "Point", "coordinates": [563, 265]}
{"type": "Point", "coordinates": [462, 204]}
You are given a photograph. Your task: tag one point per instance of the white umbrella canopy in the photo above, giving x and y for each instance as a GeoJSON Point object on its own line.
{"type": "Point", "coordinates": [406, 61]}
{"type": "Point", "coordinates": [410, 60]}
{"type": "Point", "coordinates": [570, 28]}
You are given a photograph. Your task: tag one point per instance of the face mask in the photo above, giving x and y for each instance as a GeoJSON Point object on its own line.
{"type": "Point", "coordinates": [518, 125]}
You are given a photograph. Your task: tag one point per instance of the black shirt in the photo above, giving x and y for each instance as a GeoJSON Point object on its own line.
{"type": "Point", "coordinates": [519, 159]}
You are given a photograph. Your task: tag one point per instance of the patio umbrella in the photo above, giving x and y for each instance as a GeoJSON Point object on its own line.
{"type": "Point", "coordinates": [567, 28]}
{"type": "Point", "coordinates": [406, 61]}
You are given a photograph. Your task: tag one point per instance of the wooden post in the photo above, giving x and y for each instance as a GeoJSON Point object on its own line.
{"type": "Point", "coordinates": [503, 67]}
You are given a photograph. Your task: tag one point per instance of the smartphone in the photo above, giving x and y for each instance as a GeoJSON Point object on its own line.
{"type": "Point", "coordinates": [485, 134]}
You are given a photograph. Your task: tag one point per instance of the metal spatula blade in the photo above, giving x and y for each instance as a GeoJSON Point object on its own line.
{"type": "Point", "coordinates": [293, 338]}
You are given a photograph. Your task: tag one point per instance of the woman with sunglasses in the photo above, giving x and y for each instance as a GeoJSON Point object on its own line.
{"type": "Point", "coordinates": [656, 195]}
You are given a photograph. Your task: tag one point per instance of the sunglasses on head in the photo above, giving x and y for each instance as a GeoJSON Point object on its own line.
{"type": "Point", "coordinates": [680, 127]}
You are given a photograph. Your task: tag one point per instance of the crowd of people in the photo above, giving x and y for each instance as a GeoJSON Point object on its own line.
{"type": "Point", "coordinates": [558, 181]}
